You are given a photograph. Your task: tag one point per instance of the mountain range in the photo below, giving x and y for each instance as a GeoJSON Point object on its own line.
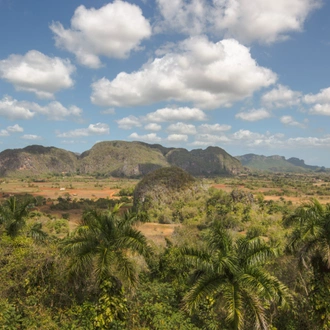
{"type": "Point", "coordinates": [277, 164]}
{"type": "Point", "coordinates": [118, 159]}
{"type": "Point", "coordinates": [136, 159]}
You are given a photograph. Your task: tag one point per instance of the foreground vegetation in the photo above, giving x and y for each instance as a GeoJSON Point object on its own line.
{"type": "Point", "coordinates": [236, 260]}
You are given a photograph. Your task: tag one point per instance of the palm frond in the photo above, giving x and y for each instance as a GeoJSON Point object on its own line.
{"type": "Point", "coordinates": [133, 239]}
{"type": "Point", "coordinates": [206, 285]}
{"type": "Point", "coordinates": [256, 307]}
{"type": "Point", "coordinates": [232, 295]}
{"type": "Point", "coordinates": [127, 269]}
{"type": "Point", "coordinates": [37, 233]}
{"type": "Point", "coordinates": [255, 251]}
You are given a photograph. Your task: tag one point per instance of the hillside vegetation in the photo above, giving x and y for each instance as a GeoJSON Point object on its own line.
{"type": "Point", "coordinates": [116, 158]}
{"type": "Point", "coordinates": [37, 160]}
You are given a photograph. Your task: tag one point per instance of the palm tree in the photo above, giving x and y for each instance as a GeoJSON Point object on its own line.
{"type": "Point", "coordinates": [231, 273]}
{"type": "Point", "coordinates": [311, 236]}
{"type": "Point", "coordinates": [310, 241]}
{"type": "Point", "coordinates": [13, 213]}
{"type": "Point", "coordinates": [104, 243]}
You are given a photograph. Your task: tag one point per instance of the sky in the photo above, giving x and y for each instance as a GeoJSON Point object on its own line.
{"type": "Point", "coordinates": [249, 76]}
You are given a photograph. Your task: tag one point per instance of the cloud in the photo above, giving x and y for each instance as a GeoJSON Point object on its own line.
{"type": "Point", "coordinates": [322, 97]}
{"type": "Point", "coordinates": [281, 97]}
{"type": "Point", "coordinates": [15, 129]}
{"type": "Point", "coordinates": [177, 138]}
{"type": "Point", "coordinates": [56, 111]}
{"type": "Point", "coordinates": [320, 109]}
{"type": "Point", "coordinates": [113, 31]}
{"type": "Point", "coordinates": [4, 132]}
{"type": "Point", "coordinates": [288, 120]}
{"type": "Point", "coordinates": [110, 111]}
{"type": "Point", "coordinates": [13, 109]}
{"type": "Point", "coordinates": [206, 128]}
{"type": "Point", "coordinates": [264, 21]}
{"type": "Point", "coordinates": [309, 141]}
{"type": "Point", "coordinates": [37, 73]}
{"type": "Point", "coordinates": [256, 140]}
{"type": "Point", "coordinates": [92, 129]}
{"type": "Point", "coordinates": [253, 139]}
{"type": "Point", "coordinates": [163, 115]}
{"type": "Point", "coordinates": [31, 137]}
{"type": "Point", "coordinates": [321, 100]}
{"type": "Point", "coordinates": [253, 115]}
{"type": "Point", "coordinates": [183, 16]}
{"type": "Point", "coordinates": [209, 139]}
{"type": "Point", "coordinates": [176, 114]}
{"type": "Point", "coordinates": [151, 137]}
{"type": "Point", "coordinates": [182, 129]}
{"type": "Point", "coordinates": [207, 74]}
{"type": "Point", "coordinates": [129, 122]}
{"type": "Point", "coordinates": [153, 127]}
{"type": "Point", "coordinates": [11, 129]}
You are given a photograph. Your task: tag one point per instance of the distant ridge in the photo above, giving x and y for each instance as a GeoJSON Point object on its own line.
{"type": "Point", "coordinates": [277, 164]}
{"type": "Point", "coordinates": [118, 159]}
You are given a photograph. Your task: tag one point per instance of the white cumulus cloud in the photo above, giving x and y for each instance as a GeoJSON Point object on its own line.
{"type": "Point", "coordinates": [4, 132]}
{"type": "Point", "coordinates": [56, 111]}
{"type": "Point", "coordinates": [253, 115]}
{"type": "Point", "coordinates": [37, 73]}
{"type": "Point", "coordinates": [176, 114]}
{"type": "Point", "coordinates": [92, 129]}
{"type": "Point", "coordinates": [264, 21]}
{"type": "Point", "coordinates": [207, 74]}
{"type": "Point", "coordinates": [129, 122]}
{"type": "Point", "coordinates": [322, 97]}
{"type": "Point", "coordinates": [177, 138]}
{"type": "Point", "coordinates": [151, 137]}
{"type": "Point", "coordinates": [321, 102]}
{"type": "Point", "coordinates": [320, 109]}
{"type": "Point", "coordinates": [153, 127]}
{"type": "Point", "coordinates": [281, 97]}
{"type": "Point", "coordinates": [15, 129]}
{"type": "Point", "coordinates": [14, 109]}
{"type": "Point", "coordinates": [207, 128]}
{"type": "Point", "coordinates": [113, 30]}
{"type": "Point", "coordinates": [209, 139]}
{"type": "Point", "coordinates": [182, 128]}
{"type": "Point", "coordinates": [289, 120]}
{"type": "Point", "coordinates": [31, 137]}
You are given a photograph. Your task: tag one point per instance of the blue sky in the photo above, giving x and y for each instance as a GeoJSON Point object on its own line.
{"type": "Point", "coordinates": [247, 76]}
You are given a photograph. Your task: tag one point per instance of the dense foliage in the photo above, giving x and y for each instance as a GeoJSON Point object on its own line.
{"type": "Point", "coordinates": [235, 261]}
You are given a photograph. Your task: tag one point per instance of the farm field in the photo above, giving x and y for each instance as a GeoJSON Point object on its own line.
{"type": "Point", "coordinates": [294, 188]}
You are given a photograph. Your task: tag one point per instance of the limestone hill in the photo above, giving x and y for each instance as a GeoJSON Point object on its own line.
{"type": "Point", "coordinates": [116, 158]}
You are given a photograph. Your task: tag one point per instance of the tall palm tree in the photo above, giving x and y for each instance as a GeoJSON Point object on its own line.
{"type": "Point", "coordinates": [310, 241]}
{"type": "Point", "coordinates": [232, 274]}
{"type": "Point", "coordinates": [104, 243]}
{"type": "Point", "coordinates": [311, 236]}
{"type": "Point", "coordinates": [13, 213]}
